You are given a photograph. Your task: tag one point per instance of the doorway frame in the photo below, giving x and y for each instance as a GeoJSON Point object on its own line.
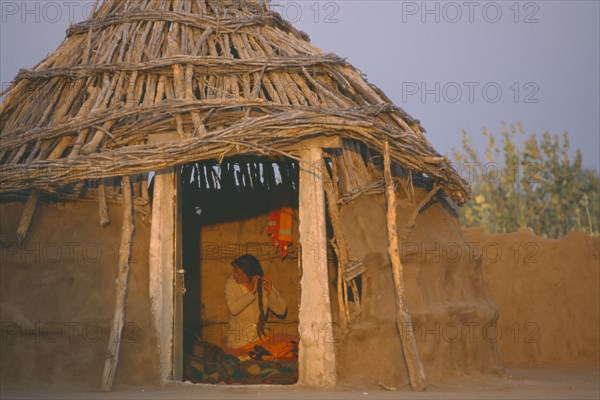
{"type": "Point", "coordinates": [317, 361]}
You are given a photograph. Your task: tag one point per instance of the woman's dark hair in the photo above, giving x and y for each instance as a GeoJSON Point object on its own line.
{"type": "Point", "coordinates": [251, 267]}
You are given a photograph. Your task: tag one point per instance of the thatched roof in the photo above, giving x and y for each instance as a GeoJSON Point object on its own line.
{"type": "Point", "coordinates": [225, 77]}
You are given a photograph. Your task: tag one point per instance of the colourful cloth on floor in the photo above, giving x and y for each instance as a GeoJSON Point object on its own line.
{"type": "Point", "coordinates": [273, 347]}
{"type": "Point", "coordinates": [210, 364]}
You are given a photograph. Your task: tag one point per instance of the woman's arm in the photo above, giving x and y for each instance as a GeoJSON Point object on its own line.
{"type": "Point", "coordinates": [277, 303]}
{"type": "Point", "coordinates": [237, 301]}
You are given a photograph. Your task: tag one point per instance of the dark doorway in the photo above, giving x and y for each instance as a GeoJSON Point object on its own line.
{"type": "Point", "coordinates": [226, 209]}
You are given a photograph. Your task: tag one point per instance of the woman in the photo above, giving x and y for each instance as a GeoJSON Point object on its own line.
{"type": "Point", "coordinates": [249, 297]}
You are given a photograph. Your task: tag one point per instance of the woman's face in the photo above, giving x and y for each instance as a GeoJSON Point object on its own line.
{"type": "Point", "coordinates": [240, 276]}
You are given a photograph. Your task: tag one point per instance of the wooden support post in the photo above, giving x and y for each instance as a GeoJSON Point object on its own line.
{"type": "Point", "coordinates": [345, 296]}
{"type": "Point", "coordinates": [355, 294]}
{"type": "Point", "coordinates": [179, 282]}
{"type": "Point", "coordinates": [102, 207]}
{"type": "Point", "coordinates": [26, 217]}
{"type": "Point", "coordinates": [162, 266]}
{"type": "Point", "coordinates": [339, 242]}
{"type": "Point", "coordinates": [317, 352]}
{"type": "Point", "coordinates": [414, 368]}
{"type": "Point", "coordinates": [145, 195]}
{"type": "Point", "coordinates": [125, 247]}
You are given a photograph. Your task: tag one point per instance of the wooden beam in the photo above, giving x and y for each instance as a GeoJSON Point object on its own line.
{"type": "Point", "coordinates": [179, 280]}
{"type": "Point", "coordinates": [161, 262]}
{"type": "Point", "coordinates": [102, 207]}
{"type": "Point", "coordinates": [26, 217]}
{"type": "Point", "coordinates": [339, 241]}
{"type": "Point", "coordinates": [124, 270]}
{"type": "Point", "coordinates": [162, 137]}
{"type": "Point", "coordinates": [316, 361]}
{"type": "Point", "coordinates": [145, 195]}
{"type": "Point", "coordinates": [323, 142]}
{"type": "Point", "coordinates": [416, 375]}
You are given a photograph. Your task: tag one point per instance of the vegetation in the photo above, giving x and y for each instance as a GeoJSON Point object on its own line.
{"type": "Point", "coordinates": [536, 184]}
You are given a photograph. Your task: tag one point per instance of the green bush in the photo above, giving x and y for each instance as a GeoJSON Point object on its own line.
{"type": "Point", "coordinates": [528, 183]}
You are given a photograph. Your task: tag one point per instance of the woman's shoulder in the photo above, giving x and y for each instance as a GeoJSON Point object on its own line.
{"type": "Point", "coordinates": [232, 286]}
{"type": "Point", "coordinates": [230, 282]}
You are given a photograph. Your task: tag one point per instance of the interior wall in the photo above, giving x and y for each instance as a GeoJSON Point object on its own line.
{"type": "Point", "coordinates": [57, 299]}
{"type": "Point", "coordinates": [219, 244]}
{"type": "Point", "coordinates": [547, 292]}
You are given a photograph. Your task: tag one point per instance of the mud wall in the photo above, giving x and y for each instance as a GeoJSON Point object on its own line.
{"type": "Point", "coordinates": [57, 295]}
{"type": "Point", "coordinates": [446, 296]}
{"type": "Point", "coordinates": [219, 244]}
{"type": "Point", "coordinates": [547, 293]}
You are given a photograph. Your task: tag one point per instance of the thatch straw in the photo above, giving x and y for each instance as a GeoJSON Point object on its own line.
{"type": "Point", "coordinates": [227, 77]}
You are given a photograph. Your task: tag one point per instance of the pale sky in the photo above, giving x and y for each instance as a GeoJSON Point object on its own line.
{"type": "Point", "coordinates": [453, 65]}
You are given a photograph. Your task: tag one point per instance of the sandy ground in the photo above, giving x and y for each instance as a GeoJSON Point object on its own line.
{"type": "Point", "coordinates": [550, 383]}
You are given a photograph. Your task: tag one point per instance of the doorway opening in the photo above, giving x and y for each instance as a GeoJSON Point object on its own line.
{"type": "Point", "coordinates": [242, 205]}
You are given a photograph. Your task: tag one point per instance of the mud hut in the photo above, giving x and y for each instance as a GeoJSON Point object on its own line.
{"type": "Point", "coordinates": [147, 151]}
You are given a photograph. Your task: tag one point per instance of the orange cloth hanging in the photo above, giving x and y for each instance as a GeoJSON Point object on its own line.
{"type": "Point", "coordinates": [280, 220]}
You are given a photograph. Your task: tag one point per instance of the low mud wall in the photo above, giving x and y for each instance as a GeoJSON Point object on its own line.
{"type": "Point", "coordinates": [57, 294]}
{"type": "Point", "coordinates": [547, 294]}
{"type": "Point", "coordinates": [472, 297]}
{"type": "Point", "coordinates": [447, 298]}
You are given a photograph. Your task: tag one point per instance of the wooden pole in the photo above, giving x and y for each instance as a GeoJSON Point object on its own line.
{"type": "Point", "coordinates": [26, 217]}
{"type": "Point", "coordinates": [102, 207]}
{"type": "Point", "coordinates": [316, 361]}
{"type": "Point", "coordinates": [339, 242]}
{"type": "Point", "coordinates": [145, 195]}
{"type": "Point", "coordinates": [161, 265]}
{"type": "Point", "coordinates": [416, 376]}
{"type": "Point", "coordinates": [114, 341]}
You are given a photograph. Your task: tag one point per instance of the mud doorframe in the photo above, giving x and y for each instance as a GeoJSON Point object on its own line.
{"type": "Point", "coordinates": [317, 363]}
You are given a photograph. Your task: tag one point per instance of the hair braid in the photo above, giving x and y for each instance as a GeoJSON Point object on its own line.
{"type": "Point", "coordinates": [261, 318]}
{"type": "Point", "coordinates": [251, 267]}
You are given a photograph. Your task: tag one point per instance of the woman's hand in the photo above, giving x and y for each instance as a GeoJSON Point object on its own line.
{"type": "Point", "coordinates": [267, 285]}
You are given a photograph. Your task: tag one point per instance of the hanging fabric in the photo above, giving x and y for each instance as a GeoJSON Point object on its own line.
{"type": "Point", "coordinates": [280, 220]}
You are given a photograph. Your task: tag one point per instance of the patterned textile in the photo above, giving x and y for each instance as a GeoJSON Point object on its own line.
{"type": "Point", "coordinates": [273, 347]}
{"type": "Point", "coordinates": [254, 365]}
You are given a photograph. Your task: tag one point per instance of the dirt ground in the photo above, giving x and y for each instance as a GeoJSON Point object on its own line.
{"type": "Point", "coordinates": [549, 383]}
